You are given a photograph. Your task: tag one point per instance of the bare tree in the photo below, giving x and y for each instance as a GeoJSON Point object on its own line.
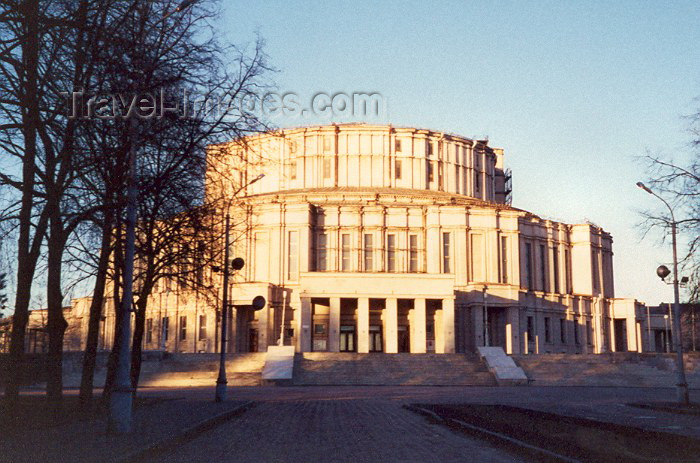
{"type": "Point", "coordinates": [679, 183]}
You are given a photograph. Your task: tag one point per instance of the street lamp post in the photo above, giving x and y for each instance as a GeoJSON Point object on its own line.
{"type": "Point", "coordinates": [682, 384]}
{"type": "Point", "coordinates": [236, 264]}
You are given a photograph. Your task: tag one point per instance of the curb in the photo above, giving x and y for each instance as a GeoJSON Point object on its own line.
{"type": "Point", "coordinates": [529, 450]}
{"type": "Point", "coordinates": [186, 435]}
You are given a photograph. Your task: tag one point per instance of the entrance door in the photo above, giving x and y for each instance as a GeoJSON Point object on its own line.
{"type": "Point", "coordinates": [375, 338]}
{"type": "Point", "coordinates": [347, 338]}
{"type": "Point", "coordinates": [620, 335]}
{"type": "Point", "coordinates": [252, 340]}
{"type": "Point", "coordinates": [404, 339]}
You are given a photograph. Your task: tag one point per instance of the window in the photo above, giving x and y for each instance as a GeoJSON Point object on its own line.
{"type": "Point", "coordinates": [202, 327]}
{"type": "Point", "coordinates": [446, 268]}
{"type": "Point", "coordinates": [397, 146]}
{"type": "Point", "coordinates": [345, 263]}
{"type": "Point", "coordinates": [596, 273]}
{"type": "Point", "coordinates": [293, 256]}
{"type": "Point", "coordinates": [555, 260]}
{"type": "Point", "coordinates": [293, 170]}
{"type": "Point", "coordinates": [429, 148]}
{"type": "Point", "coordinates": [322, 256]}
{"type": "Point", "coordinates": [589, 332]}
{"type": "Point", "coordinates": [397, 169]}
{"type": "Point", "coordinates": [319, 328]}
{"type": "Point", "coordinates": [577, 341]}
{"type": "Point", "coordinates": [530, 329]}
{"type": "Point", "coordinates": [528, 265]}
{"type": "Point", "coordinates": [562, 330]}
{"type": "Point", "coordinates": [166, 328]}
{"type": "Point", "coordinates": [543, 267]}
{"type": "Point", "coordinates": [567, 271]}
{"type": "Point", "coordinates": [183, 328]}
{"type": "Point", "coordinates": [413, 253]}
{"type": "Point", "coordinates": [292, 146]}
{"type": "Point", "coordinates": [504, 259]}
{"type": "Point", "coordinates": [430, 172]}
{"type": "Point", "coordinates": [547, 329]}
{"type": "Point", "coordinates": [457, 179]}
{"type": "Point", "coordinates": [327, 168]}
{"type": "Point", "coordinates": [391, 253]}
{"type": "Point", "coordinates": [326, 144]}
{"type": "Point", "coordinates": [149, 330]}
{"type": "Point", "coordinates": [368, 253]}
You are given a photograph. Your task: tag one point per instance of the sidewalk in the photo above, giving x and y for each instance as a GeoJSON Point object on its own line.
{"type": "Point", "coordinates": [162, 423]}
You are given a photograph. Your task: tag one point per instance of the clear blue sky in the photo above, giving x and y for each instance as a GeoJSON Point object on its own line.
{"type": "Point", "coordinates": [573, 91]}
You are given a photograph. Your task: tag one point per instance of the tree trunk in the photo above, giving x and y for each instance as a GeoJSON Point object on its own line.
{"type": "Point", "coordinates": [90, 357]}
{"type": "Point", "coordinates": [56, 323]}
{"type": "Point", "coordinates": [26, 265]}
{"type": "Point", "coordinates": [116, 288]}
{"type": "Point", "coordinates": [137, 342]}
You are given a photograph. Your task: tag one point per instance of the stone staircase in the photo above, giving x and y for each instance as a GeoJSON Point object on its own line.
{"type": "Point", "coordinates": [325, 368]}
{"type": "Point", "coordinates": [610, 369]}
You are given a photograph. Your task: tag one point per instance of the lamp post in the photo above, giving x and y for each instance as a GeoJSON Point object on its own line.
{"type": "Point", "coordinates": [236, 264]}
{"type": "Point", "coordinates": [682, 384]}
{"type": "Point", "coordinates": [120, 398]}
{"type": "Point", "coordinates": [486, 316]}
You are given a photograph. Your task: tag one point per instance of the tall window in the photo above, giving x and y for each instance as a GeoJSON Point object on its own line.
{"type": "Point", "coordinates": [555, 260]}
{"type": "Point", "coordinates": [293, 256]}
{"type": "Point", "coordinates": [504, 259]}
{"type": "Point", "coordinates": [368, 252]}
{"type": "Point", "coordinates": [596, 273]}
{"type": "Point", "coordinates": [165, 327]}
{"type": "Point", "coordinates": [413, 253]}
{"type": "Point", "coordinates": [567, 271]}
{"type": "Point", "coordinates": [457, 178]}
{"type": "Point", "coordinates": [293, 170]}
{"type": "Point", "coordinates": [528, 265]}
{"type": "Point", "coordinates": [397, 168]}
{"type": "Point", "coordinates": [446, 258]}
{"type": "Point", "coordinates": [322, 253]}
{"type": "Point", "coordinates": [543, 267]}
{"type": "Point", "coordinates": [326, 168]}
{"type": "Point", "coordinates": [562, 330]}
{"type": "Point", "coordinates": [183, 328]}
{"type": "Point", "coordinates": [589, 332]}
{"type": "Point", "coordinates": [430, 172]}
{"type": "Point", "coordinates": [547, 329]}
{"type": "Point", "coordinates": [149, 330]}
{"type": "Point", "coordinates": [202, 327]}
{"type": "Point", "coordinates": [397, 146]}
{"type": "Point", "coordinates": [530, 329]}
{"type": "Point", "coordinates": [576, 337]}
{"type": "Point", "coordinates": [345, 263]}
{"type": "Point", "coordinates": [391, 253]}
{"type": "Point", "coordinates": [429, 148]}
{"type": "Point", "coordinates": [326, 144]}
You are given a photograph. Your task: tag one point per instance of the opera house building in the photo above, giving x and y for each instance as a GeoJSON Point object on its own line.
{"type": "Point", "coordinates": [374, 238]}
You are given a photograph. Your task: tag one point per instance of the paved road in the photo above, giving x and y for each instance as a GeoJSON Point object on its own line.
{"type": "Point", "coordinates": [333, 430]}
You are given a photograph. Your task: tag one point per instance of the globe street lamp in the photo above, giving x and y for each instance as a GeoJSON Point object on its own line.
{"type": "Point", "coordinates": [682, 384]}
{"type": "Point", "coordinates": [236, 264]}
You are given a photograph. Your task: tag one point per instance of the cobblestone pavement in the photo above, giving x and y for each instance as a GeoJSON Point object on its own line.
{"type": "Point", "coordinates": [334, 430]}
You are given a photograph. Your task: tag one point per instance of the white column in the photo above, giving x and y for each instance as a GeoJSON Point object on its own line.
{"type": "Point", "coordinates": [305, 331]}
{"type": "Point", "coordinates": [391, 319]}
{"type": "Point", "coordinates": [334, 328]}
{"type": "Point", "coordinates": [448, 325]}
{"type": "Point", "coordinates": [363, 325]}
{"type": "Point", "coordinates": [418, 345]}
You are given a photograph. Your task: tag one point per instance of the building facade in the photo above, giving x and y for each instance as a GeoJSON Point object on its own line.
{"type": "Point", "coordinates": [367, 238]}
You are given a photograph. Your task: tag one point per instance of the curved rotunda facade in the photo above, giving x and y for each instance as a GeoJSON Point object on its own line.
{"type": "Point", "coordinates": [367, 238]}
{"type": "Point", "coordinates": [371, 238]}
